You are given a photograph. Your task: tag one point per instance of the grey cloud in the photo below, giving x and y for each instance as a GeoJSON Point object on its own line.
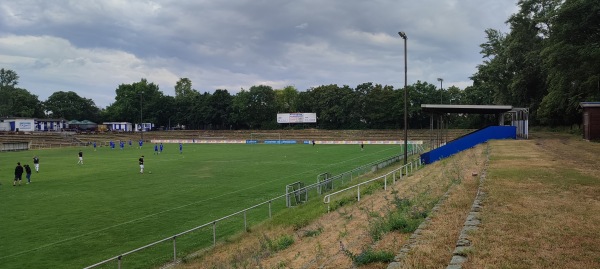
{"type": "Point", "coordinates": [237, 43]}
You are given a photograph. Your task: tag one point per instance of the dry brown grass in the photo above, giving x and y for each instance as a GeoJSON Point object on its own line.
{"type": "Point", "coordinates": [434, 248]}
{"type": "Point", "coordinates": [543, 207]}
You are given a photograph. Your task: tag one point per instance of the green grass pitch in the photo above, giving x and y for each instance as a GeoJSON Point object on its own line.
{"type": "Point", "coordinates": [72, 216]}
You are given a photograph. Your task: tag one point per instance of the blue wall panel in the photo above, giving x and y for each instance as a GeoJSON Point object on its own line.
{"type": "Point", "coordinates": [469, 141]}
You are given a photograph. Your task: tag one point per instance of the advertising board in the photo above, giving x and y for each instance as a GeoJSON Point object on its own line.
{"type": "Point", "coordinates": [296, 117]}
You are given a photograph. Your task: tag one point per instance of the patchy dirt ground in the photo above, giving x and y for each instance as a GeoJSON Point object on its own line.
{"type": "Point", "coordinates": [331, 240]}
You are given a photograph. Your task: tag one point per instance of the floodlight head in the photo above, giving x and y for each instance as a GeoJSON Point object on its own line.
{"type": "Point", "coordinates": [402, 34]}
{"type": "Point", "coordinates": [440, 79]}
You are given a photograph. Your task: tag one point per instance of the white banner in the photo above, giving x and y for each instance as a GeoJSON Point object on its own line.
{"type": "Point", "coordinates": [296, 117]}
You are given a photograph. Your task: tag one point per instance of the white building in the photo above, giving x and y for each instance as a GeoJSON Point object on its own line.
{"type": "Point", "coordinates": [18, 124]}
{"type": "Point", "coordinates": [119, 126]}
{"type": "Point", "coordinates": [50, 124]}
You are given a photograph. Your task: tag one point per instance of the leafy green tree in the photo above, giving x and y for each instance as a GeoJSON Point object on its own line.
{"type": "Point", "coordinates": [183, 88]}
{"type": "Point", "coordinates": [8, 78]}
{"type": "Point", "coordinates": [378, 104]}
{"type": "Point", "coordinates": [240, 117]}
{"type": "Point", "coordinates": [530, 28]}
{"type": "Point", "coordinates": [336, 107]}
{"type": "Point", "coordinates": [421, 93]}
{"type": "Point", "coordinates": [572, 58]}
{"type": "Point", "coordinates": [454, 95]}
{"type": "Point", "coordinates": [8, 82]}
{"type": "Point", "coordinates": [220, 106]}
{"type": "Point", "coordinates": [262, 110]}
{"type": "Point", "coordinates": [15, 101]}
{"type": "Point", "coordinates": [139, 100]}
{"type": "Point", "coordinates": [25, 104]}
{"type": "Point", "coordinates": [186, 105]}
{"type": "Point", "coordinates": [492, 76]}
{"type": "Point", "coordinates": [70, 106]}
{"type": "Point", "coordinates": [287, 99]}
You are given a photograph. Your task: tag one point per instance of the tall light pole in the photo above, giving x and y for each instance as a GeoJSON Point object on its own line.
{"type": "Point", "coordinates": [441, 80]}
{"type": "Point", "coordinates": [403, 36]}
{"type": "Point", "coordinates": [142, 115]}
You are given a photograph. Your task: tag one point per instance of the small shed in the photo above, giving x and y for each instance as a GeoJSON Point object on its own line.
{"type": "Point", "coordinates": [591, 120]}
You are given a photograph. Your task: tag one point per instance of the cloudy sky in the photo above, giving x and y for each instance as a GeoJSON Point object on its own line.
{"type": "Point", "coordinates": [91, 47]}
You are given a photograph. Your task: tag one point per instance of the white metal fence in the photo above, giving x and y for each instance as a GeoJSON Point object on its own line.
{"type": "Point", "coordinates": [312, 189]}
{"type": "Point", "coordinates": [408, 169]}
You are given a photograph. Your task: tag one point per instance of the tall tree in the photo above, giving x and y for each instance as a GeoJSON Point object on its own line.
{"type": "Point", "coordinates": [70, 106]}
{"type": "Point", "coordinates": [492, 76]}
{"type": "Point", "coordinates": [378, 105]}
{"type": "Point", "coordinates": [262, 108]}
{"type": "Point", "coordinates": [336, 107]}
{"type": "Point", "coordinates": [139, 101]}
{"type": "Point", "coordinates": [183, 88]}
{"type": "Point", "coordinates": [25, 104]}
{"type": "Point", "coordinates": [530, 28]}
{"type": "Point", "coordinates": [220, 106]}
{"type": "Point", "coordinates": [186, 105]}
{"type": "Point", "coordinates": [287, 99]}
{"type": "Point", "coordinates": [240, 116]}
{"type": "Point", "coordinates": [8, 78]}
{"type": "Point", "coordinates": [8, 81]}
{"type": "Point", "coordinates": [572, 59]}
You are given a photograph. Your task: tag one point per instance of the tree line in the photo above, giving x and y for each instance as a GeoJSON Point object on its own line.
{"type": "Point", "coordinates": [368, 105]}
{"type": "Point", "coordinates": [548, 62]}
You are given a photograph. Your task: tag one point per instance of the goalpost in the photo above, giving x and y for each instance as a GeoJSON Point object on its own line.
{"type": "Point", "coordinates": [295, 194]}
{"type": "Point", "coordinates": [324, 183]}
{"type": "Point", "coordinates": [265, 136]}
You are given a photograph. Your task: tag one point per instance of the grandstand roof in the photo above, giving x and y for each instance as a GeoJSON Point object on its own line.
{"type": "Point", "coordinates": [465, 109]}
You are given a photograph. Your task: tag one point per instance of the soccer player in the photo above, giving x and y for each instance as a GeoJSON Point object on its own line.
{"type": "Point", "coordinates": [28, 173]}
{"type": "Point", "coordinates": [161, 148]}
{"type": "Point", "coordinates": [141, 161]}
{"type": "Point", "coordinates": [130, 143]}
{"type": "Point", "coordinates": [180, 148]}
{"type": "Point", "coordinates": [18, 174]}
{"type": "Point", "coordinates": [141, 142]}
{"type": "Point", "coordinates": [122, 145]}
{"type": "Point", "coordinates": [94, 145]}
{"type": "Point", "coordinates": [156, 149]}
{"type": "Point", "coordinates": [80, 158]}
{"type": "Point", "coordinates": [36, 163]}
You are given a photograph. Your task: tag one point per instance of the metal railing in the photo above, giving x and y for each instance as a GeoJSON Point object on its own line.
{"type": "Point", "coordinates": [349, 175]}
{"type": "Point", "coordinates": [411, 165]}
{"type": "Point", "coordinates": [379, 164]}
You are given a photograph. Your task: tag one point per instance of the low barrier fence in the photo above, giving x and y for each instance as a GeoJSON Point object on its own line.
{"type": "Point", "coordinates": [301, 194]}
{"type": "Point", "coordinates": [408, 169]}
{"type": "Point", "coordinates": [349, 175]}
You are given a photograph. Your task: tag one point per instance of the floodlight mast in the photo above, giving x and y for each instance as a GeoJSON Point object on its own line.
{"type": "Point", "coordinates": [441, 80]}
{"type": "Point", "coordinates": [141, 115]}
{"type": "Point", "coordinates": [403, 36]}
